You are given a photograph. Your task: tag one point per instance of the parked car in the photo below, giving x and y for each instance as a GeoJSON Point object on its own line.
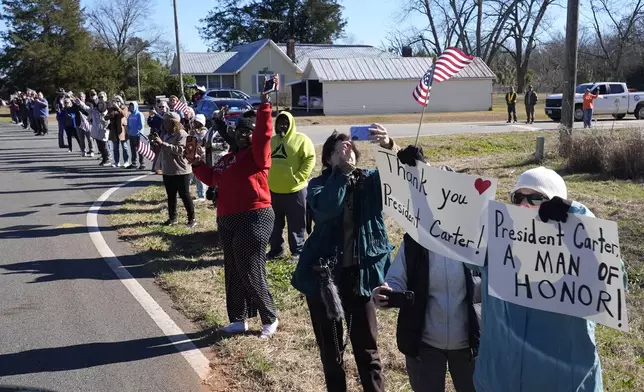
{"type": "Point", "coordinates": [209, 106]}
{"type": "Point", "coordinates": [227, 93]}
{"type": "Point", "coordinates": [615, 99]}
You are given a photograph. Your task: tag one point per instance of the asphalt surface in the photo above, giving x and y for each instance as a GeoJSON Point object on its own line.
{"type": "Point", "coordinates": [66, 323]}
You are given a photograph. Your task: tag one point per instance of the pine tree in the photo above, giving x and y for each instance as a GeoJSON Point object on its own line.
{"type": "Point", "coordinates": [46, 46]}
{"type": "Point", "coordinates": [236, 22]}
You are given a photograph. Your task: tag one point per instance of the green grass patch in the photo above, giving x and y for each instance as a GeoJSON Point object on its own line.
{"type": "Point", "coordinates": [188, 265]}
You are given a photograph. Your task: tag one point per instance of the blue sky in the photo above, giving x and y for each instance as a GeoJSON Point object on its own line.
{"type": "Point", "coordinates": [368, 20]}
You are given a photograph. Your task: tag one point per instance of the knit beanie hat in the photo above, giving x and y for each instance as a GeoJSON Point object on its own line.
{"type": "Point", "coordinates": [247, 120]}
{"type": "Point", "coordinates": [201, 119]}
{"type": "Point", "coordinates": [542, 180]}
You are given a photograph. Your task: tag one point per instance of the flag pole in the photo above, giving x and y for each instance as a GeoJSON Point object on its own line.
{"type": "Point", "coordinates": [429, 87]}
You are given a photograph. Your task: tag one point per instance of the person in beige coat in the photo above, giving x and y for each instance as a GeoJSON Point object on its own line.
{"type": "Point", "coordinates": [117, 115]}
{"type": "Point", "coordinates": [176, 168]}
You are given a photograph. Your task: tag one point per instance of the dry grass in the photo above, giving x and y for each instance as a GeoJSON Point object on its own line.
{"type": "Point", "coordinates": [619, 154]}
{"type": "Point", "coordinates": [188, 267]}
{"type": "Point", "coordinates": [498, 113]}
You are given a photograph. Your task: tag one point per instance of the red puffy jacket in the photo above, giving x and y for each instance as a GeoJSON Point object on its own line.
{"type": "Point", "coordinates": [242, 177]}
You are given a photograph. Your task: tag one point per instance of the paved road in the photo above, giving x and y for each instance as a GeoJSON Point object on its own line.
{"type": "Point", "coordinates": [319, 133]}
{"type": "Point", "coordinates": [66, 323]}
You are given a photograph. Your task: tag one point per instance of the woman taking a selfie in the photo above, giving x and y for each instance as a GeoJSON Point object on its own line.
{"type": "Point", "coordinates": [346, 256]}
{"type": "Point", "coordinates": [245, 219]}
{"type": "Point", "coordinates": [176, 169]}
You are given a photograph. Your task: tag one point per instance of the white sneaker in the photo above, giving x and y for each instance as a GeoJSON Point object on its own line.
{"type": "Point", "coordinates": [236, 327]}
{"type": "Point", "coordinates": [115, 165]}
{"type": "Point", "coordinates": [91, 154]}
{"type": "Point", "coordinates": [120, 165]}
{"type": "Point", "coordinates": [127, 165]}
{"type": "Point", "coordinates": [84, 154]}
{"type": "Point", "coordinates": [269, 329]}
{"type": "Point", "coordinates": [199, 199]}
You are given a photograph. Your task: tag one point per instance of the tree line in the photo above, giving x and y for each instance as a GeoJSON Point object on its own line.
{"type": "Point", "coordinates": [522, 42]}
{"type": "Point", "coordinates": [52, 44]}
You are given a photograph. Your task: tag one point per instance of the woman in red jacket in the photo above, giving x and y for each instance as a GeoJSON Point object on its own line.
{"type": "Point", "coordinates": [245, 219]}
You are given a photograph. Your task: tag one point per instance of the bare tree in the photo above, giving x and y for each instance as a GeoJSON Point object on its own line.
{"type": "Point", "coordinates": [524, 26]}
{"type": "Point", "coordinates": [622, 21]}
{"type": "Point", "coordinates": [116, 22]}
{"type": "Point", "coordinates": [478, 27]}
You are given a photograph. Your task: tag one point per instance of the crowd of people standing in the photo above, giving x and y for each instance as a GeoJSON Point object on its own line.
{"type": "Point", "coordinates": [257, 172]}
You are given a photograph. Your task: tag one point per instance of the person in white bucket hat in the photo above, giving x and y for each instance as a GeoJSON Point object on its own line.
{"type": "Point", "coordinates": [530, 350]}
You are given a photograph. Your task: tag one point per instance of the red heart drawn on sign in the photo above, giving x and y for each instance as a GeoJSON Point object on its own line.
{"type": "Point", "coordinates": [482, 185]}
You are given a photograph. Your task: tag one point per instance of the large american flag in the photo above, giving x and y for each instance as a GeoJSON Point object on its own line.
{"type": "Point", "coordinates": [448, 64]}
{"type": "Point", "coordinates": [144, 149]}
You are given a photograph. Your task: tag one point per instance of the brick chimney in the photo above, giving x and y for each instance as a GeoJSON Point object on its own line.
{"type": "Point", "coordinates": [290, 49]}
{"type": "Point", "coordinates": [406, 51]}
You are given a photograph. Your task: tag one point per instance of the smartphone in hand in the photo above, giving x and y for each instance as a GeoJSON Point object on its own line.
{"type": "Point", "coordinates": [399, 299]}
{"type": "Point", "coordinates": [191, 147]}
{"type": "Point", "coordinates": [271, 85]}
{"type": "Point", "coordinates": [360, 132]}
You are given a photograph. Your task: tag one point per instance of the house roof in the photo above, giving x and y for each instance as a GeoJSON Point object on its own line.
{"type": "Point", "coordinates": [305, 52]}
{"type": "Point", "coordinates": [399, 68]}
{"type": "Point", "coordinates": [223, 63]}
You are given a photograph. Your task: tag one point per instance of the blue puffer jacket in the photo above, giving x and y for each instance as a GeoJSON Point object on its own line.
{"type": "Point", "coordinates": [136, 121]}
{"type": "Point", "coordinates": [325, 197]}
{"type": "Point", "coordinates": [531, 350]}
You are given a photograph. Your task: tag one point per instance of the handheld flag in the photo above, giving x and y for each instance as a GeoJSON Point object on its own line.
{"type": "Point", "coordinates": [448, 64]}
{"type": "Point", "coordinates": [144, 149]}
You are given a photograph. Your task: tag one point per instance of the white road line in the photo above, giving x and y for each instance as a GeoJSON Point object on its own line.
{"type": "Point", "coordinates": [184, 345]}
{"type": "Point", "coordinates": [526, 127]}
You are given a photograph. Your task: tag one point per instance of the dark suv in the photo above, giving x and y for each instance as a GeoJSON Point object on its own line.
{"type": "Point", "coordinates": [228, 93]}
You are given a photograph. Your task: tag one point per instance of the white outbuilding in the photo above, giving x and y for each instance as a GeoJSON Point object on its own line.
{"type": "Point", "coordinates": [349, 86]}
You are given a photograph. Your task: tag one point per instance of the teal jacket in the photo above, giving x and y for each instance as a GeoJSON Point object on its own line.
{"type": "Point", "coordinates": [325, 197]}
{"type": "Point", "coordinates": [531, 350]}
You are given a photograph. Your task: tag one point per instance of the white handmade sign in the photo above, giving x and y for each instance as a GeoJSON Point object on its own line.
{"type": "Point", "coordinates": [571, 268]}
{"type": "Point", "coordinates": [439, 209]}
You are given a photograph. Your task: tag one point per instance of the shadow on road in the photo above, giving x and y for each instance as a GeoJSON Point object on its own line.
{"type": "Point", "coordinates": [82, 356]}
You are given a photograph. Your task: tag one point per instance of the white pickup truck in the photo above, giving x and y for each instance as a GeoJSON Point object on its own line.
{"type": "Point", "coordinates": [614, 99]}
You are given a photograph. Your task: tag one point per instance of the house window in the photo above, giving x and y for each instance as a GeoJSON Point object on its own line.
{"type": "Point", "coordinates": [201, 80]}
{"type": "Point", "coordinates": [213, 81]}
{"type": "Point", "coordinates": [227, 81]}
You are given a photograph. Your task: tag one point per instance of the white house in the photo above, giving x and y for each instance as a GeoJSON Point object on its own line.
{"type": "Point", "coordinates": [385, 85]}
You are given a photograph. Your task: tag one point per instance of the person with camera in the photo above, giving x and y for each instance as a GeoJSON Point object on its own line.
{"type": "Point", "coordinates": [71, 115]}
{"type": "Point", "coordinates": [175, 167]}
{"type": "Point", "coordinates": [440, 302]}
{"type": "Point", "coordinates": [217, 143]}
{"type": "Point", "coordinates": [155, 122]}
{"type": "Point", "coordinates": [117, 114]}
{"type": "Point", "coordinates": [346, 256]}
{"type": "Point", "coordinates": [245, 218]}
{"type": "Point", "coordinates": [100, 125]}
{"type": "Point", "coordinates": [199, 131]}
{"type": "Point", "coordinates": [42, 109]}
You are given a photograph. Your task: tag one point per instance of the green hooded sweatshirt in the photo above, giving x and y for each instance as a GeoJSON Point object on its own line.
{"type": "Point", "coordinates": [293, 159]}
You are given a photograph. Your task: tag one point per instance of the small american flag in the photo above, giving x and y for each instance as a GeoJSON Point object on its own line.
{"type": "Point", "coordinates": [144, 149]}
{"type": "Point", "coordinates": [448, 64]}
{"type": "Point", "coordinates": [180, 107]}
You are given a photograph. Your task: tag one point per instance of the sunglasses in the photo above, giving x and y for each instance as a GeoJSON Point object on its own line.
{"type": "Point", "coordinates": [534, 199]}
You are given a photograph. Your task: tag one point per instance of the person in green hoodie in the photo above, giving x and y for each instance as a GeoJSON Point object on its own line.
{"type": "Point", "coordinates": [293, 159]}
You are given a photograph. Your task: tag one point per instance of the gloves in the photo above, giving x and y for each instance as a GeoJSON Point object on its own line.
{"type": "Point", "coordinates": [555, 209]}
{"type": "Point", "coordinates": [410, 155]}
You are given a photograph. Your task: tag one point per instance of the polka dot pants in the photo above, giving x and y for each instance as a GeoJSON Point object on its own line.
{"type": "Point", "coordinates": [244, 238]}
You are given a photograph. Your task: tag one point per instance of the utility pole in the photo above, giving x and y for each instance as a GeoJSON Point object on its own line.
{"type": "Point", "coordinates": [570, 79]}
{"type": "Point", "coordinates": [138, 77]}
{"type": "Point", "coordinates": [176, 33]}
